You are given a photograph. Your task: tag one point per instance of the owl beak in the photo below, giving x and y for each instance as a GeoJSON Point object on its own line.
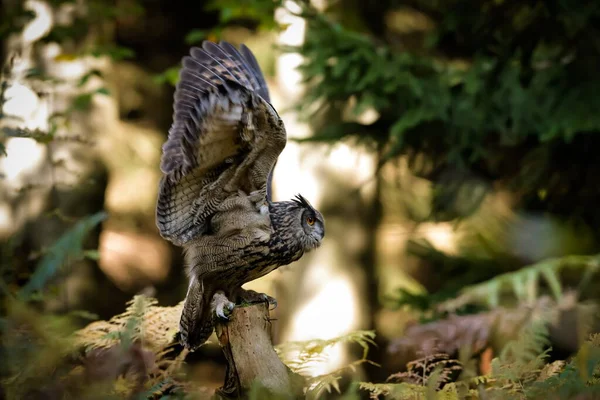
{"type": "Point", "coordinates": [321, 232]}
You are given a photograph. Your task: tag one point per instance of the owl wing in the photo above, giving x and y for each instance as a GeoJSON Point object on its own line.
{"type": "Point", "coordinates": [225, 138]}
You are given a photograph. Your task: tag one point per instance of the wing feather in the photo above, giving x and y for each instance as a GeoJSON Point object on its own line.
{"type": "Point", "coordinates": [225, 136]}
{"type": "Point", "coordinates": [262, 88]}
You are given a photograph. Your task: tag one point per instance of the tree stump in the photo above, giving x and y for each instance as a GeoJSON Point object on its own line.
{"type": "Point", "coordinates": [251, 360]}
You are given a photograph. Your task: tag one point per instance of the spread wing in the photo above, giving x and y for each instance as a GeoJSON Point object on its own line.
{"type": "Point", "coordinates": [225, 137]}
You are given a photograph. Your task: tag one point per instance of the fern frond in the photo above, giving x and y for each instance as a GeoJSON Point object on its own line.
{"type": "Point", "coordinates": [580, 377]}
{"type": "Point", "coordinates": [549, 370]}
{"type": "Point", "coordinates": [155, 326]}
{"type": "Point", "coordinates": [148, 328]}
{"type": "Point", "coordinates": [68, 246]}
{"type": "Point", "coordinates": [448, 392]}
{"type": "Point", "coordinates": [301, 355]}
{"type": "Point", "coordinates": [523, 284]}
{"type": "Point", "coordinates": [160, 390]}
{"type": "Point", "coordinates": [431, 371]}
{"type": "Point", "coordinates": [522, 360]}
{"type": "Point", "coordinates": [321, 384]}
{"type": "Point", "coordinates": [134, 315]}
{"type": "Point", "coordinates": [394, 391]}
{"type": "Point", "coordinates": [34, 345]}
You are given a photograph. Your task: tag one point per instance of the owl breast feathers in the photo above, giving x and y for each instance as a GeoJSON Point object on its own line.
{"type": "Point", "coordinates": [215, 197]}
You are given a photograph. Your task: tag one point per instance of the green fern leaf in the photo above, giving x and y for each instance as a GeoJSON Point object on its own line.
{"type": "Point", "coordinates": [524, 282]}
{"type": "Point", "coordinates": [68, 246]}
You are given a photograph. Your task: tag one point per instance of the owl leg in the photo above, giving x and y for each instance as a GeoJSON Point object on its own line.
{"type": "Point", "coordinates": [221, 306]}
{"type": "Point", "coordinates": [253, 297]}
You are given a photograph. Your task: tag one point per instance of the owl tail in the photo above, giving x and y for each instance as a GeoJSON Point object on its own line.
{"type": "Point", "coordinates": [196, 323]}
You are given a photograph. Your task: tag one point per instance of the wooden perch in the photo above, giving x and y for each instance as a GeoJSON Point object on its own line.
{"type": "Point", "coordinates": [251, 359]}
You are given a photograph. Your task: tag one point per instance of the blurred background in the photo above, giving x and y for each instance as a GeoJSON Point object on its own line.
{"type": "Point", "coordinates": [452, 148]}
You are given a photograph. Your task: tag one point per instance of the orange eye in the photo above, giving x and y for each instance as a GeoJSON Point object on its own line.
{"type": "Point", "coordinates": [310, 220]}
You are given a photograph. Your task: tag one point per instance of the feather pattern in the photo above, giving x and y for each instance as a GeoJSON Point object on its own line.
{"type": "Point", "coordinates": [214, 196]}
{"type": "Point", "coordinates": [225, 137]}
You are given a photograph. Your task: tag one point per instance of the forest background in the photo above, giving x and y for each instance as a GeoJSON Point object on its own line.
{"type": "Point", "coordinates": [451, 147]}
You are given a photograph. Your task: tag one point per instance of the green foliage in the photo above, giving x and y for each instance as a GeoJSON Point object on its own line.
{"type": "Point", "coordinates": [33, 346]}
{"type": "Point", "coordinates": [505, 98]}
{"type": "Point", "coordinates": [133, 317]}
{"type": "Point", "coordinates": [580, 377]}
{"type": "Point", "coordinates": [254, 14]}
{"type": "Point", "coordinates": [301, 356]}
{"type": "Point", "coordinates": [196, 36]}
{"type": "Point", "coordinates": [170, 76]}
{"type": "Point", "coordinates": [522, 360]}
{"type": "Point", "coordinates": [525, 283]}
{"type": "Point", "coordinates": [477, 92]}
{"type": "Point", "coordinates": [432, 370]}
{"type": "Point", "coordinates": [92, 20]}
{"type": "Point", "coordinates": [82, 102]}
{"type": "Point", "coordinates": [307, 352]}
{"type": "Point", "coordinates": [394, 390]}
{"type": "Point", "coordinates": [67, 248]}
{"type": "Point", "coordinates": [116, 53]}
{"type": "Point", "coordinates": [520, 372]}
{"type": "Point", "coordinates": [261, 12]}
{"type": "Point", "coordinates": [46, 357]}
{"type": "Point", "coordinates": [427, 377]}
{"type": "Point", "coordinates": [522, 369]}
{"type": "Point", "coordinates": [422, 88]}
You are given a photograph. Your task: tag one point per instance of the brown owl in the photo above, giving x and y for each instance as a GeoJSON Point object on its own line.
{"type": "Point", "coordinates": [215, 194]}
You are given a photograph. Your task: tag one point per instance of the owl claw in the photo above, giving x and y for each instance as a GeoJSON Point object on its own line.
{"type": "Point", "coordinates": [272, 302]}
{"type": "Point", "coordinates": [223, 311]}
{"type": "Point", "coordinates": [221, 305]}
{"type": "Point", "coordinates": [252, 297]}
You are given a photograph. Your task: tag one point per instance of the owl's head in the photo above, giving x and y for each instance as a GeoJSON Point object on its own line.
{"type": "Point", "coordinates": [311, 222]}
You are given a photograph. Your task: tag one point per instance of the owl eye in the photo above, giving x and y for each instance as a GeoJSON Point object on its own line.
{"type": "Point", "coordinates": [310, 220]}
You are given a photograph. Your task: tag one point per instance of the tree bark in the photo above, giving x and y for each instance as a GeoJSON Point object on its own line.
{"type": "Point", "coordinates": [252, 363]}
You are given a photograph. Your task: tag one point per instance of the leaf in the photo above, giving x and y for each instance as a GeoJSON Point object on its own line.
{"type": "Point", "coordinates": [522, 359]}
{"type": "Point", "coordinates": [103, 91]}
{"type": "Point", "coordinates": [155, 389]}
{"type": "Point", "coordinates": [68, 246]}
{"type": "Point", "coordinates": [551, 276]}
{"type": "Point", "coordinates": [394, 391]}
{"type": "Point", "coordinates": [117, 53]}
{"type": "Point", "coordinates": [410, 119]}
{"type": "Point", "coordinates": [170, 76]}
{"type": "Point", "coordinates": [490, 292]}
{"type": "Point", "coordinates": [82, 102]}
{"type": "Point", "coordinates": [85, 78]}
{"type": "Point", "coordinates": [195, 36]}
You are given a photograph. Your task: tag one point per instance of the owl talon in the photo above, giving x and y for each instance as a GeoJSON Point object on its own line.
{"type": "Point", "coordinates": [253, 297]}
{"type": "Point", "coordinates": [272, 302]}
{"type": "Point", "coordinates": [221, 306]}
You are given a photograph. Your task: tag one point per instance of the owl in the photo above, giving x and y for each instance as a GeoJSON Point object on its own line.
{"type": "Point", "coordinates": [214, 196]}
